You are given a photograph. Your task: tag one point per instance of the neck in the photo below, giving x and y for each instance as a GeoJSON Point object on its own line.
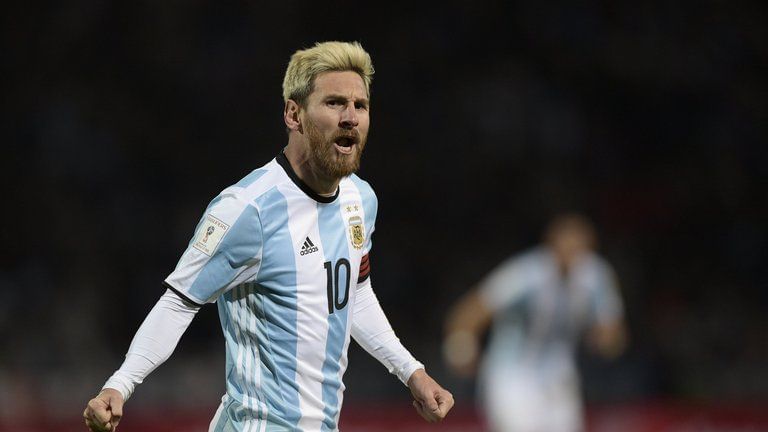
{"type": "Point", "coordinates": [298, 157]}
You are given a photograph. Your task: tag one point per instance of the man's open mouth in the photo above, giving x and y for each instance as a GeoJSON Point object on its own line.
{"type": "Point", "coordinates": [344, 144]}
{"type": "Point", "coordinates": [346, 141]}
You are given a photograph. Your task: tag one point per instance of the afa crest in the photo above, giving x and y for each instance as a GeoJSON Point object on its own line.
{"type": "Point", "coordinates": [356, 232]}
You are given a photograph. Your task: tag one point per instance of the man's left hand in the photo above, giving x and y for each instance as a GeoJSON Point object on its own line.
{"type": "Point", "coordinates": [430, 400]}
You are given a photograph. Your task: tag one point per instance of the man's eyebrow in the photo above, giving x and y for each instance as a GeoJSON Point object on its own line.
{"type": "Point", "coordinates": [362, 100]}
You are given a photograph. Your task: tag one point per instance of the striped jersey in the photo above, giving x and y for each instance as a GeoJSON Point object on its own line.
{"type": "Point", "coordinates": [283, 264]}
{"type": "Point", "coordinates": [539, 314]}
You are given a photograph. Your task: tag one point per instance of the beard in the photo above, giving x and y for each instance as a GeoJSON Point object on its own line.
{"type": "Point", "coordinates": [324, 157]}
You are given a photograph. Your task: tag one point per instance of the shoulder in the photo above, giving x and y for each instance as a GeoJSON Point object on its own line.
{"type": "Point", "coordinates": [531, 265]}
{"type": "Point", "coordinates": [246, 193]}
{"type": "Point", "coordinates": [596, 271]}
{"type": "Point", "coordinates": [535, 257]}
{"type": "Point", "coordinates": [356, 190]}
{"type": "Point", "coordinates": [364, 188]}
{"type": "Point", "coordinates": [257, 183]}
{"type": "Point", "coordinates": [598, 264]}
{"type": "Point", "coordinates": [365, 191]}
{"type": "Point", "coordinates": [519, 264]}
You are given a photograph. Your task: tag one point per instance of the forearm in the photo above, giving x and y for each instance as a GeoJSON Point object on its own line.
{"type": "Point", "coordinates": [153, 343]}
{"type": "Point", "coordinates": [609, 339]}
{"type": "Point", "coordinates": [466, 323]}
{"type": "Point", "coordinates": [470, 314]}
{"type": "Point", "coordinates": [373, 332]}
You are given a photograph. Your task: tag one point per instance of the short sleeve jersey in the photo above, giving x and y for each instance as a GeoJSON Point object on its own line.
{"type": "Point", "coordinates": [539, 313]}
{"type": "Point", "coordinates": [282, 262]}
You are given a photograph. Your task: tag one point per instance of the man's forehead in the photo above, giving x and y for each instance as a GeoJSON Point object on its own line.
{"type": "Point", "coordinates": [341, 83]}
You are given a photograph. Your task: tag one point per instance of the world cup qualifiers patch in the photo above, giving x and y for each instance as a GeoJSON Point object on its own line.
{"type": "Point", "coordinates": [210, 235]}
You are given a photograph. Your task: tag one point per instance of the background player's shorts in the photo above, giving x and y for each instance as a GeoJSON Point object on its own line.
{"type": "Point", "coordinates": [522, 400]}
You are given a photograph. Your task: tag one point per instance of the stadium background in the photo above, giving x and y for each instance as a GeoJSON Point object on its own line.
{"type": "Point", "coordinates": [121, 120]}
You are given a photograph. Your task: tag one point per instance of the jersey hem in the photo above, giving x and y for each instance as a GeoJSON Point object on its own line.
{"type": "Point", "coordinates": [179, 293]}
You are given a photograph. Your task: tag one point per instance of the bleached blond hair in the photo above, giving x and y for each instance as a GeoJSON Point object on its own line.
{"type": "Point", "coordinates": [307, 64]}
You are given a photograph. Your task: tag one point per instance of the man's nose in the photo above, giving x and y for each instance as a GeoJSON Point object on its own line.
{"type": "Point", "coordinates": [349, 118]}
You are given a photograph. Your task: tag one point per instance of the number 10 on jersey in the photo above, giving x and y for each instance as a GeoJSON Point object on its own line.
{"type": "Point", "coordinates": [332, 272]}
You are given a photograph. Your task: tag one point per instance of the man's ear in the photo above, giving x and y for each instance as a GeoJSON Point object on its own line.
{"type": "Point", "coordinates": [291, 116]}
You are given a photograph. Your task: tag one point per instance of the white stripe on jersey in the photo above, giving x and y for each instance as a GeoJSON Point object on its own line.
{"type": "Point", "coordinates": [286, 352]}
{"type": "Point", "coordinates": [311, 323]}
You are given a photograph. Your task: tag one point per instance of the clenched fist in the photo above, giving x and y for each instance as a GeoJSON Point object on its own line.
{"type": "Point", "coordinates": [103, 413]}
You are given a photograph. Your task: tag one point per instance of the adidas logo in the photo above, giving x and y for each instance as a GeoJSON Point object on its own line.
{"type": "Point", "coordinates": [308, 247]}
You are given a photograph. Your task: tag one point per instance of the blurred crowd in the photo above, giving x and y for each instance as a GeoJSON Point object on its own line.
{"type": "Point", "coordinates": [122, 120]}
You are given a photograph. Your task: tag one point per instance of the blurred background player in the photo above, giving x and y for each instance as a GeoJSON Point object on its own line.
{"type": "Point", "coordinates": [540, 303]}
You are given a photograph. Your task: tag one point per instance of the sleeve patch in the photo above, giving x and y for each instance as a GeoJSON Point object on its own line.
{"type": "Point", "coordinates": [210, 234]}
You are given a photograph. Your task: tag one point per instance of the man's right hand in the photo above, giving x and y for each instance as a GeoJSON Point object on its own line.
{"type": "Point", "coordinates": [103, 413]}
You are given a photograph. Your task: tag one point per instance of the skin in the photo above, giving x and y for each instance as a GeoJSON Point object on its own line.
{"type": "Point", "coordinates": [430, 400]}
{"type": "Point", "coordinates": [338, 106]}
{"type": "Point", "coordinates": [336, 110]}
{"type": "Point", "coordinates": [103, 413]}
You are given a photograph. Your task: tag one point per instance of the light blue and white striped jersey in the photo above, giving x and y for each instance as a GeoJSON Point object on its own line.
{"type": "Point", "coordinates": [282, 263]}
{"type": "Point", "coordinates": [540, 315]}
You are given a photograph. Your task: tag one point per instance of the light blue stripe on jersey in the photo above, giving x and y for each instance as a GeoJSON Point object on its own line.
{"type": "Point", "coordinates": [242, 319]}
{"type": "Point", "coordinates": [235, 418]}
{"type": "Point", "coordinates": [370, 205]}
{"type": "Point", "coordinates": [243, 183]}
{"type": "Point", "coordinates": [332, 229]}
{"type": "Point", "coordinates": [605, 303]}
{"type": "Point", "coordinates": [240, 245]}
{"type": "Point", "coordinates": [277, 299]}
{"type": "Point", "coordinates": [251, 177]}
{"type": "Point", "coordinates": [511, 329]}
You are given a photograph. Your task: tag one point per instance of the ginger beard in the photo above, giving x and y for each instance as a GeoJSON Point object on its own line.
{"type": "Point", "coordinates": [324, 157]}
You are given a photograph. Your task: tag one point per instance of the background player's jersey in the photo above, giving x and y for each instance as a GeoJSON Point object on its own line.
{"type": "Point", "coordinates": [283, 264]}
{"type": "Point", "coordinates": [540, 314]}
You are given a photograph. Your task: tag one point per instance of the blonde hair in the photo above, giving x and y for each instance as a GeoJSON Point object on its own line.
{"type": "Point", "coordinates": [307, 64]}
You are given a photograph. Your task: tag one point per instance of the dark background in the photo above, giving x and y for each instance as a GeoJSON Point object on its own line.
{"type": "Point", "coordinates": [121, 120]}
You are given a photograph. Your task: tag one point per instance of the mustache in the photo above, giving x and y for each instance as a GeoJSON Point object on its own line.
{"type": "Point", "coordinates": [351, 135]}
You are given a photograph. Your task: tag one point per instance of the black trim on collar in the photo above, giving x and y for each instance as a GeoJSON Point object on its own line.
{"type": "Point", "coordinates": [182, 296]}
{"type": "Point", "coordinates": [283, 161]}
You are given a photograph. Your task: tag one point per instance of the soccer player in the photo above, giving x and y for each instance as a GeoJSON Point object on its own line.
{"type": "Point", "coordinates": [539, 303]}
{"type": "Point", "coordinates": [284, 253]}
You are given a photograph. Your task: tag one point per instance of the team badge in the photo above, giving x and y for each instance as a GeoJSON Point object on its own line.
{"type": "Point", "coordinates": [356, 232]}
